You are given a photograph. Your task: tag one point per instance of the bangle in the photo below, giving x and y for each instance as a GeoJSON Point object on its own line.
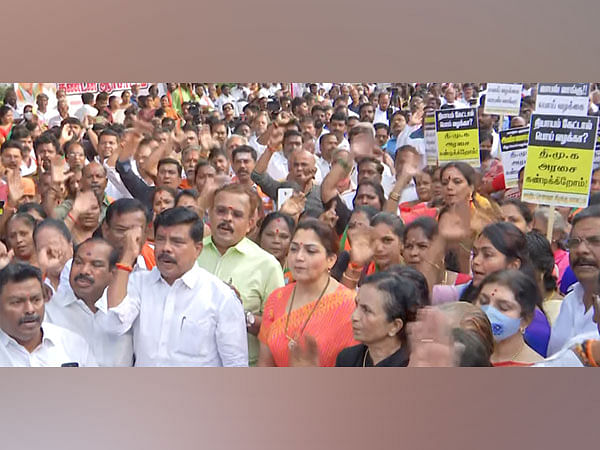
{"type": "Point", "coordinates": [70, 216]}
{"type": "Point", "coordinates": [125, 267]}
{"type": "Point", "coordinates": [394, 196]}
{"type": "Point", "coordinates": [588, 353]}
{"type": "Point", "coordinates": [355, 266]}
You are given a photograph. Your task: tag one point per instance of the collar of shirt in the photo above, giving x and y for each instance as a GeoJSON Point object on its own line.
{"type": "Point", "coordinates": [190, 278]}
{"type": "Point", "coordinates": [49, 337]}
{"type": "Point", "coordinates": [244, 246]}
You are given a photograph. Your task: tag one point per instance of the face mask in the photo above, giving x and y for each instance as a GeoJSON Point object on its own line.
{"type": "Point", "coordinates": [502, 326]}
{"type": "Point", "coordinates": [28, 116]}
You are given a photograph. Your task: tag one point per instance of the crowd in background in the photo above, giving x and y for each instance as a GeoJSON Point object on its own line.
{"type": "Point", "coordinates": [282, 224]}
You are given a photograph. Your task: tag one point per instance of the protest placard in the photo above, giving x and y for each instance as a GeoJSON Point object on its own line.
{"type": "Point", "coordinates": [567, 99]}
{"type": "Point", "coordinates": [457, 135]}
{"type": "Point", "coordinates": [560, 155]}
{"type": "Point", "coordinates": [513, 152]}
{"type": "Point", "coordinates": [597, 151]}
{"type": "Point", "coordinates": [503, 99]}
{"type": "Point", "coordinates": [430, 139]}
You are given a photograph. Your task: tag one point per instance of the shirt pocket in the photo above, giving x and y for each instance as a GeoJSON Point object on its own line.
{"type": "Point", "coordinates": [195, 336]}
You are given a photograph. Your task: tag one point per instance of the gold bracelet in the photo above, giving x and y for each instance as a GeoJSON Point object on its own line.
{"type": "Point", "coordinates": [394, 196]}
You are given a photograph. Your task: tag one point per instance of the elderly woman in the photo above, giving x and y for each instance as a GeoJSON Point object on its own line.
{"type": "Point", "coordinates": [385, 304]}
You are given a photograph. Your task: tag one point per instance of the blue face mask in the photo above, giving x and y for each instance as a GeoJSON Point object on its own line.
{"type": "Point", "coordinates": [502, 326]}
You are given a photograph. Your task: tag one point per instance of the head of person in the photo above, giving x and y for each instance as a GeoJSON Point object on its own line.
{"type": "Point", "coordinates": [231, 215]}
{"type": "Point", "coordinates": [243, 163]}
{"type": "Point", "coordinates": [500, 246]}
{"type": "Point", "coordinates": [360, 219]}
{"type": "Point", "coordinates": [123, 215]}
{"type": "Point", "coordinates": [204, 172]}
{"type": "Point", "coordinates": [470, 318]}
{"type": "Point", "coordinates": [34, 209]}
{"type": "Point", "coordinates": [369, 193]}
{"type": "Point", "coordinates": [178, 234]}
{"type": "Point", "coordinates": [509, 298]}
{"type": "Point", "coordinates": [560, 228]}
{"type": "Point", "coordinates": [417, 278]}
{"type": "Point", "coordinates": [42, 102]}
{"type": "Point", "coordinates": [458, 182]}
{"type": "Point", "coordinates": [450, 95]}
{"type": "Point", "coordinates": [21, 134]}
{"type": "Point", "coordinates": [424, 184]}
{"type": "Point", "coordinates": [384, 100]}
{"type": "Point", "coordinates": [398, 123]}
{"type": "Point", "coordinates": [10, 97]}
{"type": "Point", "coordinates": [101, 101]}
{"type": "Point", "coordinates": [93, 267]}
{"type": "Point", "coordinates": [108, 143]}
{"type": "Point", "coordinates": [518, 122]}
{"type": "Point", "coordinates": [232, 143]}
{"type": "Point", "coordinates": [75, 155]}
{"type": "Point", "coordinates": [275, 234]}
{"type": "Point", "coordinates": [260, 123]}
{"type": "Point", "coordinates": [191, 135]}
{"type": "Point", "coordinates": [54, 236]}
{"type": "Point", "coordinates": [94, 178]}
{"type": "Point", "coordinates": [46, 148]}
{"type": "Point", "coordinates": [11, 154]}
{"type": "Point", "coordinates": [22, 303]}
{"type": "Point", "coordinates": [370, 169]}
{"type": "Point", "coordinates": [303, 167]}
{"type": "Point", "coordinates": [243, 129]}
{"type": "Point", "coordinates": [595, 185]}
{"type": "Point", "coordinates": [542, 260]}
{"type": "Point", "coordinates": [517, 213]}
{"type": "Point", "coordinates": [385, 304]}
{"type": "Point", "coordinates": [584, 246]}
{"type": "Point", "coordinates": [366, 112]}
{"type": "Point", "coordinates": [19, 236]}
{"type": "Point", "coordinates": [300, 107]}
{"type": "Point", "coordinates": [292, 141]}
{"type": "Point", "coordinates": [382, 134]}
{"type": "Point", "coordinates": [188, 198]}
{"type": "Point", "coordinates": [189, 158]}
{"type": "Point", "coordinates": [169, 173]}
{"type": "Point", "coordinates": [337, 125]}
{"type": "Point", "coordinates": [6, 115]}
{"type": "Point", "coordinates": [417, 238]}
{"type": "Point", "coordinates": [387, 231]}
{"type": "Point", "coordinates": [327, 145]}
{"type": "Point", "coordinates": [313, 251]}
{"type": "Point", "coordinates": [218, 130]}
{"type": "Point", "coordinates": [163, 198]}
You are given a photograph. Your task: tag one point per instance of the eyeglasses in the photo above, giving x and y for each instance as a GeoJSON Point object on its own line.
{"type": "Point", "coordinates": [591, 241]}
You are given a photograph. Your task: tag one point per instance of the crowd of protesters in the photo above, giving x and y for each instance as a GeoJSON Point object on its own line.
{"type": "Point", "coordinates": [279, 224]}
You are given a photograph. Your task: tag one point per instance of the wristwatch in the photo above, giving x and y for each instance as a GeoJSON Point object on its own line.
{"type": "Point", "coordinates": [250, 319]}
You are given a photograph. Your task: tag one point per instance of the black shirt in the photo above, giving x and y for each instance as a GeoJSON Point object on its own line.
{"type": "Point", "coordinates": [354, 357]}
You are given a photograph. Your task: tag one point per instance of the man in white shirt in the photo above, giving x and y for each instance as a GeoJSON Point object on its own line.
{"type": "Point", "coordinates": [384, 112]}
{"type": "Point", "coordinates": [87, 109]}
{"type": "Point", "coordinates": [63, 112]}
{"type": "Point", "coordinates": [188, 317]}
{"type": "Point", "coordinates": [576, 312]}
{"type": "Point", "coordinates": [226, 97]}
{"type": "Point", "coordinates": [417, 110]}
{"type": "Point", "coordinates": [25, 340]}
{"type": "Point", "coordinates": [75, 305]}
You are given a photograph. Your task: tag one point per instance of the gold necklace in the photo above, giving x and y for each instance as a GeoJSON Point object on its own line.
{"type": "Point", "coordinates": [293, 341]}
{"type": "Point", "coordinates": [365, 357]}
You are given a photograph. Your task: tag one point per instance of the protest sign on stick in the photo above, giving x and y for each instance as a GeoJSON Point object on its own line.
{"type": "Point", "coordinates": [503, 99]}
{"type": "Point", "coordinates": [567, 99]}
{"type": "Point", "coordinates": [457, 135]}
{"type": "Point", "coordinates": [430, 139]}
{"type": "Point", "coordinates": [560, 155]}
{"type": "Point", "coordinates": [513, 152]}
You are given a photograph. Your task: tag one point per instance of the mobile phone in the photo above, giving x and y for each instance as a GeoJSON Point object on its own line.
{"type": "Point", "coordinates": [70, 364]}
{"type": "Point", "coordinates": [282, 195]}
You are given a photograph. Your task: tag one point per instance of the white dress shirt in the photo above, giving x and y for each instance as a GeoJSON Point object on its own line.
{"type": "Point", "coordinates": [85, 110]}
{"type": "Point", "coordinates": [68, 311]}
{"type": "Point", "coordinates": [572, 320]}
{"type": "Point", "coordinates": [59, 346]}
{"type": "Point", "coordinates": [197, 321]}
{"type": "Point", "coordinates": [566, 357]}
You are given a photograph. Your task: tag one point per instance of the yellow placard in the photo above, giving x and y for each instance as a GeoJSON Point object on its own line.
{"type": "Point", "coordinates": [558, 176]}
{"type": "Point", "coordinates": [459, 145]}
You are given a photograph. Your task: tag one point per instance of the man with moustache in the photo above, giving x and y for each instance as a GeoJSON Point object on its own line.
{"type": "Point", "coordinates": [180, 314]}
{"type": "Point", "coordinates": [75, 305]}
{"type": "Point", "coordinates": [576, 311]}
{"type": "Point", "coordinates": [25, 339]}
{"type": "Point", "coordinates": [238, 261]}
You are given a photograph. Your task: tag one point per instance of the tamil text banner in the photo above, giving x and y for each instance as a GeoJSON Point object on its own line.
{"type": "Point", "coordinates": [567, 99]}
{"type": "Point", "coordinates": [457, 135]}
{"type": "Point", "coordinates": [503, 99]}
{"type": "Point", "coordinates": [513, 151]}
{"type": "Point", "coordinates": [560, 155]}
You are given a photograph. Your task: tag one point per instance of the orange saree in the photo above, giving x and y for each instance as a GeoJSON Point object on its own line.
{"type": "Point", "coordinates": [330, 324]}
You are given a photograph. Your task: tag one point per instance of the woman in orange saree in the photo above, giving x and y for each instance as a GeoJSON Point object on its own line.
{"type": "Point", "coordinates": [314, 305]}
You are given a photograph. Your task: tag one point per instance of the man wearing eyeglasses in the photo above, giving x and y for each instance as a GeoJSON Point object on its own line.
{"type": "Point", "coordinates": [576, 312]}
